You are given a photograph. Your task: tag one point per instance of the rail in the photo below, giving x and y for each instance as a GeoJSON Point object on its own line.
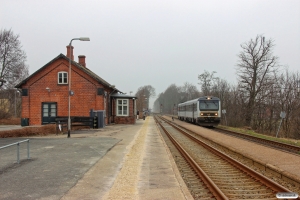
{"type": "Point", "coordinates": [275, 187]}
{"type": "Point", "coordinates": [18, 149]}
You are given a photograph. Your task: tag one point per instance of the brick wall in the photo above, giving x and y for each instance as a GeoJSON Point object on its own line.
{"type": "Point", "coordinates": [84, 87]}
{"type": "Point", "coordinates": [131, 119]}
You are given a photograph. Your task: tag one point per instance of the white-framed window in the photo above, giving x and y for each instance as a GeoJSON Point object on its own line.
{"type": "Point", "coordinates": [62, 77]}
{"type": "Point", "coordinates": [122, 107]}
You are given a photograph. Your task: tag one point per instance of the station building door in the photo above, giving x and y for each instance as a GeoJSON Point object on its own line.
{"type": "Point", "coordinates": [49, 112]}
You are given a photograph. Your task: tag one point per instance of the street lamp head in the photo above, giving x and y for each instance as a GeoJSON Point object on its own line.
{"type": "Point", "coordinates": [84, 39]}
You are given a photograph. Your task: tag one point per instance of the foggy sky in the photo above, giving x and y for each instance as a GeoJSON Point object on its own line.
{"type": "Point", "coordinates": [136, 42]}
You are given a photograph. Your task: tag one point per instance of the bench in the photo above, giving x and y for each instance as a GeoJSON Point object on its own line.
{"type": "Point", "coordinates": [75, 121]}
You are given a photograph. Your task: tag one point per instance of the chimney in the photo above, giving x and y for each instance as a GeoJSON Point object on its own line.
{"type": "Point", "coordinates": [81, 60]}
{"type": "Point", "coordinates": [70, 52]}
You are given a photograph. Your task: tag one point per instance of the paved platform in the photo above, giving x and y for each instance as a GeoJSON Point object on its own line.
{"type": "Point", "coordinates": [55, 165]}
{"type": "Point", "coordinates": [139, 167]}
{"type": "Point", "coordinates": [9, 127]}
{"type": "Point", "coordinates": [117, 162]}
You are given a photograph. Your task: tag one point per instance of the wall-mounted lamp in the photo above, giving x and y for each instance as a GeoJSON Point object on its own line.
{"type": "Point", "coordinates": [47, 88]}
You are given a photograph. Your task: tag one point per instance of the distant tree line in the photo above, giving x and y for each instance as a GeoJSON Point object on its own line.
{"type": "Point", "coordinates": [167, 101]}
{"type": "Point", "coordinates": [261, 94]}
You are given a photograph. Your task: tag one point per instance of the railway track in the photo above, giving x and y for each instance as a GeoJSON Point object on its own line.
{"type": "Point", "coordinates": [218, 175]}
{"type": "Point", "coordinates": [270, 143]}
{"type": "Point", "coordinates": [293, 149]}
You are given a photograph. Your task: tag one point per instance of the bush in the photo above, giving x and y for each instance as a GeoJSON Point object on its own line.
{"type": "Point", "coordinates": [29, 131]}
{"type": "Point", "coordinates": [10, 121]}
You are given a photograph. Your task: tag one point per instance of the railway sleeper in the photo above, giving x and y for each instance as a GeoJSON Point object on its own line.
{"type": "Point", "coordinates": [226, 174]}
{"type": "Point", "coordinates": [204, 198]}
{"type": "Point", "coordinates": [250, 187]}
{"type": "Point", "coordinates": [229, 186]}
{"type": "Point", "coordinates": [256, 192]}
{"type": "Point", "coordinates": [253, 190]}
{"type": "Point", "coordinates": [245, 181]}
{"type": "Point", "coordinates": [234, 177]}
{"type": "Point", "coordinates": [252, 196]}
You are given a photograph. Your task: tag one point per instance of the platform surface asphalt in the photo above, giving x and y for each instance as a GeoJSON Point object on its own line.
{"type": "Point", "coordinates": [55, 165]}
{"type": "Point", "coordinates": [86, 166]}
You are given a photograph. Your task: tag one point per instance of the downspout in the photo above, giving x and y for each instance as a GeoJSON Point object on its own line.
{"type": "Point", "coordinates": [110, 103]}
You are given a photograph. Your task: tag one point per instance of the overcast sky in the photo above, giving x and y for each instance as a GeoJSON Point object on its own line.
{"type": "Point", "coordinates": [155, 42]}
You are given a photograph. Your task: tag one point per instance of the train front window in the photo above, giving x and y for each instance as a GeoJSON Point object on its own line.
{"type": "Point", "coordinates": [209, 105]}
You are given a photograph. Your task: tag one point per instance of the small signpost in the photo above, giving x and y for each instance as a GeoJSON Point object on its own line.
{"type": "Point", "coordinates": [224, 112]}
{"type": "Point", "coordinates": [282, 115]}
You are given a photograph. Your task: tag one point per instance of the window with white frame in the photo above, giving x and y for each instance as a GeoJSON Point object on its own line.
{"type": "Point", "coordinates": [122, 107]}
{"type": "Point", "coordinates": [62, 77]}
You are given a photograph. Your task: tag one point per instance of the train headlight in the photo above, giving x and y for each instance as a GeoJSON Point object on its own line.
{"type": "Point", "coordinates": [201, 114]}
{"type": "Point", "coordinates": [216, 114]}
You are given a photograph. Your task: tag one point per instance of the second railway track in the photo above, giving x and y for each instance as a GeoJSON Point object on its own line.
{"type": "Point", "coordinates": [270, 143]}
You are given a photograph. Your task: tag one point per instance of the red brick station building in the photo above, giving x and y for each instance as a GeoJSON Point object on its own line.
{"type": "Point", "coordinates": [45, 94]}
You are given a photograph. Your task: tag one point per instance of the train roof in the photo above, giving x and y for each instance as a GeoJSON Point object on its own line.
{"type": "Point", "coordinates": [200, 98]}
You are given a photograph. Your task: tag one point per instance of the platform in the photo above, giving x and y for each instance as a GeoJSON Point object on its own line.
{"type": "Point", "coordinates": [138, 167]}
{"type": "Point", "coordinates": [116, 162]}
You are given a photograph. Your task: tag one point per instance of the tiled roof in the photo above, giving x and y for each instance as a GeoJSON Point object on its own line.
{"type": "Point", "coordinates": [86, 70]}
{"type": "Point", "coordinates": [125, 96]}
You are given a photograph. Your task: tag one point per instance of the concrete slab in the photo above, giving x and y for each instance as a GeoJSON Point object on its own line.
{"type": "Point", "coordinates": [55, 166]}
{"type": "Point", "coordinates": [9, 127]}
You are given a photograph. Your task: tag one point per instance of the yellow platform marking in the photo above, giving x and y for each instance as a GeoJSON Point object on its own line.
{"type": "Point", "coordinates": [125, 185]}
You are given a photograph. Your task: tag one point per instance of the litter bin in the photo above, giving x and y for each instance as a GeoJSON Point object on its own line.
{"type": "Point", "coordinates": [24, 121]}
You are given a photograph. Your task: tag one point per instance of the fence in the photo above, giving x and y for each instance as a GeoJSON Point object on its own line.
{"type": "Point", "coordinates": [18, 149]}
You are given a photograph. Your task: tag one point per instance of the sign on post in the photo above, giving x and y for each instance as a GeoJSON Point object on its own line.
{"type": "Point", "coordinates": [282, 115]}
{"type": "Point", "coordinates": [224, 112]}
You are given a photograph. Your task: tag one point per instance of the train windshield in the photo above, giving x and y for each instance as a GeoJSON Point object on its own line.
{"type": "Point", "coordinates": [209, 105]}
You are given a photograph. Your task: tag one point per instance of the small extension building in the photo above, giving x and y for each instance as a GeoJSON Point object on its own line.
{"type": "Point", "coordinates": [45, 93]}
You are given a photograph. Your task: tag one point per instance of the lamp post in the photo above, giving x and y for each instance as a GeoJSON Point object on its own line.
{"type": "Point", "coordinates": [146, 103]}
{"type": "Point", "coordinates": [16, 91]}
{"type": "Point", "coordinates": [110, 103]}
{"type": "Point", "coordinates": [70, 92]}
{"type": "Point", "coordinates": [174, 109]}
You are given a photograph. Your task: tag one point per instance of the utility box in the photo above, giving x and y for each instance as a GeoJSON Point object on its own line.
{"type": "Point", "coordinates": [100, 114]}
{"type": "Point", "coordinates": [24, 121]}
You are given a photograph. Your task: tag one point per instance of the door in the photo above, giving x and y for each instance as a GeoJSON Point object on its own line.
{"type": "Point", "coordinates": [49, 111]}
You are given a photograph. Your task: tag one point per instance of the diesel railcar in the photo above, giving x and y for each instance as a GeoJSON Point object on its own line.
{"type": "Point", "coordinates": [204, 111]}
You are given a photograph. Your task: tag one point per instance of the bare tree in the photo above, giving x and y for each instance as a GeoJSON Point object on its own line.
{"type": "Point", "coordinates": [12, 59]}
{"type": "Point", "coordinates": [188, 92]}
{"type": "Point", "coordinates": [167, 101]}
{"type": "Point", "coordinates": [206, 82]}
{"type": "Point", "coordinates": [171, 99]}
{"type": "Point", "coordinates": [255, 69]}
{"type": "Point", "coordinates": [288, 102]}
{"type": "Point", "coordinates": [144, 94]}
{"type": "Point", "coordinates": [158, 105]}
{"type": "Point", "coordinates": [10, 103]}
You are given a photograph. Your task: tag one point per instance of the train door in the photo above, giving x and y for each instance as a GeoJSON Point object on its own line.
{"type": "Point", "coordinates": [193, 116]}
